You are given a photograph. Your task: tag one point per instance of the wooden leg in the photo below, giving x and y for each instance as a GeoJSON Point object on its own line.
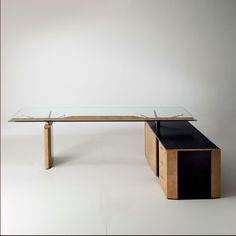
{"type": "Point", "coordinates": [48, 159]}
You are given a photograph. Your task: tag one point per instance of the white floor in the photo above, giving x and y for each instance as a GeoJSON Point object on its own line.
{"type": "Point", "coordinates": [102, 184]}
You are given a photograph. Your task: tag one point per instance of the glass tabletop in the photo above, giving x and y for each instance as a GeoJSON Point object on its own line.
{"type": "Point", "coordinates": [82, 114]}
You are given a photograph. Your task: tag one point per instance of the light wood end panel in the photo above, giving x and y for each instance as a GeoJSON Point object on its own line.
{"type": "Point", "coordinates": [172, 174]}
{"type": "Point", "coordinates": [215, 173]}
{"type": "Point", "coordinates": [151, 148]}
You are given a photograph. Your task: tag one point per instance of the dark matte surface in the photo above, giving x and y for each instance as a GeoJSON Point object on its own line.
{"type": "Point", "coordinates": [194, 174]}
{"type": "Point", "coordinates": [181, 135]}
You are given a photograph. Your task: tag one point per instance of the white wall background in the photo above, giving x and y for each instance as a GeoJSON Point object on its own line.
{"type": "Point", "coordinates": [108, 53]}
{"type": "Point", "coordinates": [121, 52]}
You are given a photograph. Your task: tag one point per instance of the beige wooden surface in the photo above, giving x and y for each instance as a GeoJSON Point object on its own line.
{"type": "Point", "coordinates": [172, 175]}
{"type": "Point", "coordinates": [48, 159]}
{"type": "Point", "coordinates": [215, 173]}
{"type": "Point", "coordinates": [100, 118]}
{"type": "Point", "coordinates": [151, 148]}
{"type": "Point", "coordinates": [163, 168]}
{"type": "Point", "coordinates": [168, 172]}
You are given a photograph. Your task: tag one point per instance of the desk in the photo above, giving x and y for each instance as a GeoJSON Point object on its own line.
{"type": "Point", "coordinates": [162, 144]}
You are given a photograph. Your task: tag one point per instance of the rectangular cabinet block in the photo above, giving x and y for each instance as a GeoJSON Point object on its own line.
{"type": "Point", "coordinates": [190, 174]}
{"type": "Point", "coordinates": [189, 163]}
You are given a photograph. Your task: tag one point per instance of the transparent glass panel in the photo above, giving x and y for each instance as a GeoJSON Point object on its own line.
{"type": "Point", "coordinates": [69, 114]}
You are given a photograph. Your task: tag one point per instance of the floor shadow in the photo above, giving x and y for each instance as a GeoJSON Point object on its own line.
{"type": "Point", "coordinates": [60, 160]}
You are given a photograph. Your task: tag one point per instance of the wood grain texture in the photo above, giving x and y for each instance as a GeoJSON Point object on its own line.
{"type": "Point", "coordinates": [99, 118]}
{"type": "Point", "coordinates": [48, 158]}
{"type": "Point", "coordinates": [168, 172]}
{"type": "Point", "coordinates": [215, 173]}
{"type": "Point", "coordinates": [151, 148]}
{"type": "Point", "coordinates": [163, 168]}
{"type": "Point", "coordinates": [172, 175]}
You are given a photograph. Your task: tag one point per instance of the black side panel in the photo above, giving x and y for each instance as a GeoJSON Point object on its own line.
{"type": "Point", "coordinates": [181, 135]}
{"type": "Point", "coordinates": [194, 174]}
